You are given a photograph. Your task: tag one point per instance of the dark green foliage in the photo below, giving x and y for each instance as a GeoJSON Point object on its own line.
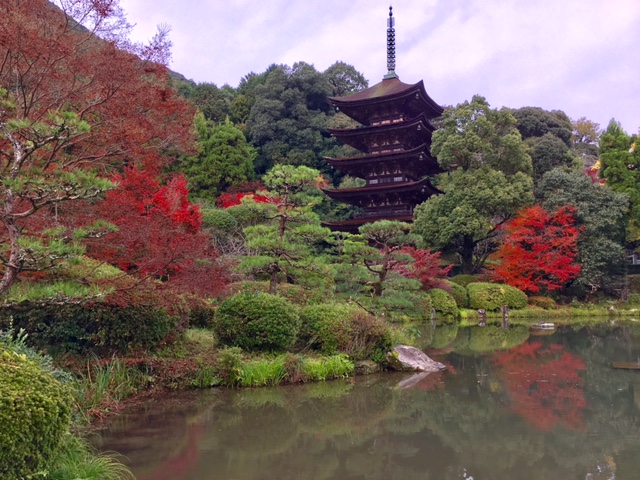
{"type": "Point", "coordinates": [492, 338]}
{"type": "Point", "coordinates": [465, 279]}
{"type": "Point", "coordinates": [514, 297]}
{"type": "Point", "coordinates": [536, 122]}
{"type": "Point", "coordinates": [293, 293]}
{"type": "Point", "coordinates": [35, 413]}
{"type": "Point", "coordinates": [341, 328]}
{"type": "Point", "coordinates": [257, 322]}
{"type": "Point", "coordinates": [100, 327]}
{"type": "Point", "coordinates": [201, 317]}
{"type": "Point", "coordinates": [602, 213]}
{"type": "Point", "coordinates": [458, 292]}
{"type": "Point", "coordinates": [486, 296]}
{"type": "Point", "coordinates": [224, 159]}
{"type": "Point", "coordinates": [543, 302]}
{"type": "Point", "coordinates": [443, 303]}
{"type": "Point", "coordinates": [548, 152]}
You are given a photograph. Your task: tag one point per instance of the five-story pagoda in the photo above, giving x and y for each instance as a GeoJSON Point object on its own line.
{"type": "Point", "coordinates": [395, 139]}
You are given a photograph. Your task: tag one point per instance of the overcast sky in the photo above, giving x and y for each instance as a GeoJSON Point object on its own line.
{"type": "Point", "coordinates": [579, 56]}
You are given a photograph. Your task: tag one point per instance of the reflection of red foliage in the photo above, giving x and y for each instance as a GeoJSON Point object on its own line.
{"type": "Point", "coordinates": [544, 383]}
{"type": "Point", "coordinates": [184, 463]}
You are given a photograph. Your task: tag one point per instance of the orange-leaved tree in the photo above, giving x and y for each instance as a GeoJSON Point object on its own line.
{"type": "Point", "coordinates": [77, 101]}
{"type": "Point", "coordinates": [539, 250]}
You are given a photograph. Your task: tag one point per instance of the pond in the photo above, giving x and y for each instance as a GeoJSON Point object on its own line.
{"type": "Point", "coordinates": [510, 406]}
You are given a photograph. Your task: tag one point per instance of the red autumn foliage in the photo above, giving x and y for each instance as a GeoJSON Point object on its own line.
{"type": "Point", "coordinates": [426, 267]}
{"type": "Point", "coordinates": [158, 235]}
{"type": "Point", "coordinates": [78, 101]}
{"type": "Point", "coordinates": [539, 250]}
{"type": "Point", "coordinates": [544, 384]}
{"type": "Point", "coordinates": [227, 200]}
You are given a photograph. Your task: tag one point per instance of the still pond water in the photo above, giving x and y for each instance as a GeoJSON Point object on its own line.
{"type": "Point", "coordinates": [510, 406]}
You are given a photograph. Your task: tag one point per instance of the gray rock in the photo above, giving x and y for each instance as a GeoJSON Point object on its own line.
{"type": "Point", "coordinates": [406, 359]}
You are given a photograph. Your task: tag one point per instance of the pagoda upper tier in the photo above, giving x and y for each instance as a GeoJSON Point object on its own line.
{"type": "Point", "coordinates": [387, 101]}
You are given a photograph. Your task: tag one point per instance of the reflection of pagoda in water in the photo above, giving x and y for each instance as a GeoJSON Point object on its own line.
{"type": "Point", "coordinates": [395, 138]}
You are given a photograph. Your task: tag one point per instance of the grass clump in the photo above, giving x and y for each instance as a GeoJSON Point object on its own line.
{"type": "Point", "coordinates": [326, 368]}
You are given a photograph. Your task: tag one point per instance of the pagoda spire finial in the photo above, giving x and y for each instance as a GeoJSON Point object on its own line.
{"type": "Point", "coordinates": [391, 46]}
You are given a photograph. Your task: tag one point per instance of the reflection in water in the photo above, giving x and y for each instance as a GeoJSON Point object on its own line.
{"type": "Point", "coordinates": [549, 408]}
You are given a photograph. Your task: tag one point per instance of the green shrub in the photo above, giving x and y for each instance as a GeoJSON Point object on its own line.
{"type": "Point", "coordinates": [257, 322]}
{"type": "Point", "coordinates": [487, 296]}
{"type": "Point", "coordinates": [35, 414]}
{"type": "Point", "coordinates": [218, 218]}
{"type": "Point", "coordinates": [341, 328]}
{"type": "Point", "coordinates": [543, 302]}
{"type": "Point", "coordinates": [458, 292]}
{"type": "Point", "coordinates": [293, 293]}
{"type": "Point", "coordinates": [464, 279]}
{"type": "Point", "coordinates": [514, 297]}
{"type": "Point", "coordinates": [443, 303]}
{"type": "Point", "coordinates": [100, 326]}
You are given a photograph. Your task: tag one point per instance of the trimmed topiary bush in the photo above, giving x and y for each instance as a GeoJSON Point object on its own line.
{"type": "Point", "coordinates": [458, 292]}
{"type": "Point", "coordinates": [543, 302]}
{"type": "Point", "coordinates": [341, 328]}
{"type": "Point", "coordinates": [218, 218]}
{"type": "Point", "coordinates": [35, 414]}
{"type": "Point", "coordinates": [464, 279]}
{"type": "Point", "coordinates": [515, 297]}
{"type": "Point", "coordinates": [443, 303]}
{"type": "Point", "coordinates": [257, 321]}
{"type": "Point", "coordinates": [487, 296]}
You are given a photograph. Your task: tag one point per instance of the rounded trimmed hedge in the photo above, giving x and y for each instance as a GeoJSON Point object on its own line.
{"type": "Point", "coordinates": [515, 297]}
{"type": "Point", "coordinates": [35, 414]}
{"type": "Point", "coordinates": [257, 321]}
{"type": "Point", "coordinates": [443, 302]}
{"type": "Point", "coordinates": [464, 279]}
{"type": "Point", "coordinates": [459, 293]}
{"type": "Point", "coordinates": [491, 296]}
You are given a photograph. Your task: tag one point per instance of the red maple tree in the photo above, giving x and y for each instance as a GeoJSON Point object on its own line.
{"type": "Point", "coordinates": [158, 235]}
{"type": "Point", "coordinates": [77, 102]}
{"type": "Point", "coordinates": [544, 384]}
{"type": "Point", "coordinates": [426, 267]}
{"type": "Point", "coordinates": [539, 250]}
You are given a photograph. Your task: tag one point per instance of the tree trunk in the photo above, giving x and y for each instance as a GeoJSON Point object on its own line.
{"type": "Point", "coordinates": [466, 255]}
{"type": "Point", "coordinates": [12, 266]}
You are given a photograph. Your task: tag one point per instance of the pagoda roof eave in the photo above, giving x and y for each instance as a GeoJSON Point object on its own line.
{"type": "Point", "coordinates": [364, 130]}
{"type": "Point", "coordinates": [389, 90]}
{"type": "Point", "coordinates": [386, 157]}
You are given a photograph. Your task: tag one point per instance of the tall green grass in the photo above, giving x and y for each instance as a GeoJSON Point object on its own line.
{"type": "Point", "coordinates": [78, 461]}
{"type": "Point", "coordinates": [109, 382]}
{"type": "Point", "coordinates": [326, 368]}
{"type": "Point", "coordinates": [263, 372]}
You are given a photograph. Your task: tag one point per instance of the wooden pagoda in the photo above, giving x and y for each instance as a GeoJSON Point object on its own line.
{"type": "Point", "coordinates": [395, 141]}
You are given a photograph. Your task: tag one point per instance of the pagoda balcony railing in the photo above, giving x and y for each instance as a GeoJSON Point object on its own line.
{"type": "Point", "coordinates": [387, 212]}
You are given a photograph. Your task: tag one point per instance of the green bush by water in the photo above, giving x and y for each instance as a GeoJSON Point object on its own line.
{"type": "Point", "coordinates": [458, 292]}
{"type": "Point", "coordinates": [491, 296]}
{"type": "Point", "coordinates": [443, 303]}
{"type": "Point", "coordinates": [35, 414]}
{"type": "Point", "coordinates": [257, 321]}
